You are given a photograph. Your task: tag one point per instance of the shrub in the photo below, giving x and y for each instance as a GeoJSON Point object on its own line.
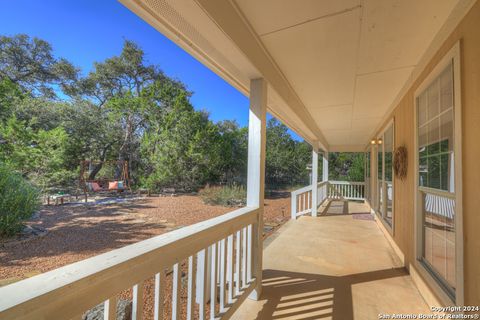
{"type": "Point", "coordinates": [18, 201]}
{"type": "Point", "coordinates": [229, 196]}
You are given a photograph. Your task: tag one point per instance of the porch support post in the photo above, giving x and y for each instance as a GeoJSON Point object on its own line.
{"type": "Point", "coordinates": [325, 167]}
{"type": "Point", "coordinates": [256, 173]}
{"type": "Point", "coordinates": [314, 182]}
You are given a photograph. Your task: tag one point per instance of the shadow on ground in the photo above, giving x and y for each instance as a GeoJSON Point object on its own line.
{"type": "Point", "coordinates": [313, 296]}
{"type": "Point", "coordinates": [341, 207]}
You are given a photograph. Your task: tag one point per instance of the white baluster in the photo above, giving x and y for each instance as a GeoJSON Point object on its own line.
{"type": "Point", "coordinates": [176, 283]}
{"type": "Point", "coordinates": [213, 282]}
{"type": "Point", "coordinates": [222, 281]}
{"type": "Point", "coordinates": [202, 279]}
{"type": "Point", "coordinates": [159, 296]}
{"type": "Point", "coordinates": [110, 309]}
{"type": "Point", "coordinates": [192, 266]}
{"type": "Point", "coordinates": [308, 200]}
{"type": "Point", "coordinates": [230, 268]}
{"type": "Point", "coordinates": [238, 241]}
{"type": "Point", "coordinates": [303, 201]}
{"type": "Point", "coordinates": [137, 302]}
{"type": "Point", "coordinates": [244, 257]}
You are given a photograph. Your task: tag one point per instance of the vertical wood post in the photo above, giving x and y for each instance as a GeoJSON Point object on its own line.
{"type": "Point", "coordinates": [314, 182]}
{"type": "Point", "coordinates": [256, 173]}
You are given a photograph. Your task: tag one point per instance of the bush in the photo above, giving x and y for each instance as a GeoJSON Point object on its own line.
{"type": "Point", "coordinates": [18, 201]}
{"type": "Point", "coordinates": [229, 196]}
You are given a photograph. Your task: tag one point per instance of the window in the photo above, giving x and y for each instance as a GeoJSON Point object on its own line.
{"type": "Point", "coordinates": [380, 177]}
{"type": "Point", "coordinates": [435, 107]}
{"type": "Point", "coordinates": [385, 175]}
{"type": "Point", "coordinates": [435, 133]}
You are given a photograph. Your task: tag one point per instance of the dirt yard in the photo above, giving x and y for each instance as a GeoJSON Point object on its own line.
{"type": "Point", "coordinates": [76, 232]}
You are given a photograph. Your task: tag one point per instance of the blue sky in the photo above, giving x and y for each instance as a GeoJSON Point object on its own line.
{"type": "Point", "coordinates": [84, 31]}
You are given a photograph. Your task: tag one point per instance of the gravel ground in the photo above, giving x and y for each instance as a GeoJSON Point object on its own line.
{"type": "Point", "coordinates": [78, 232]}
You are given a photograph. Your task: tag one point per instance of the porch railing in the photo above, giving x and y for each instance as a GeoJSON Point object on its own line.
{"type": "Point", "coordinates": [70, 291]}
{"type": "Point", "coordinates": [301, 199]}
{"type": "Point", "coordinates": [346, 190]}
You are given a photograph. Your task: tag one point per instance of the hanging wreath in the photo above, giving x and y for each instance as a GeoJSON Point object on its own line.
{"type": "Point", "coordinates": [400, 162]}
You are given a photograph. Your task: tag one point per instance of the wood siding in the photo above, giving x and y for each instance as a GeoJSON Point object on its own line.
{"type": "Point", "coordinates": [468, 33]}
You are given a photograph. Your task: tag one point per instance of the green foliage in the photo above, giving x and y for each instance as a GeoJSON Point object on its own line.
{"type": "Point", "coordinates": [234, 150]}
{"type": "Point", "coordinates": [30, 63]}
{"type": "Point", "coordinates": [228, 196]}
{"type": "Point", "coordinates": [18, 201]}
{"type": "Point", "coordinates": [10, 94]}
{"type": "Point", "coordinates": [39, 155]}
{"type": "Point", "coordinates": [346, 166]}
{"type": "Point", "coordinates": [128, 109]}
{"type": "Point", "coordinates": [184, 150]}
{"type": "Point", "coordinates": [286, 159]}
{"type": "Point", "coordinates": [16, 143]}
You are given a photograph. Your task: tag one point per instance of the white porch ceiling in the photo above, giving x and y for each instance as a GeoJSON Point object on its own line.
{"type": "Point", "coordinates": [334, 67]}
{"type": "Point", "coordinates": [347, 59]}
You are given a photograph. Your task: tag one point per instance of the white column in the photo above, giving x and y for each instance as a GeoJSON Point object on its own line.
{"type": "Point", "coordinates": [256, 173]}
{"type": "Point", "coordinates": [314, 182]}
{"type": "Point", "coordinates": [325, 167]}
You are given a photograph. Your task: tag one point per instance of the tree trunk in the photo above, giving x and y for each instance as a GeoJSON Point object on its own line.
{"type": "Point", "coordinates": [99, 166]}
{"type": "Point", "coordinates": [124, 149]}
{"type": "Point", "coordinates": [95, 170]}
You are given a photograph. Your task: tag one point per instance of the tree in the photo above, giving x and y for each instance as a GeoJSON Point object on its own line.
{"type": "Point", "coordinates": [30, 63]}
{"type": "Point", "coordinates": [124, 109]}
{"type": "Point", "coordinates": [346, 166]}
{"type": "Point", "coordinates": [234, 149]}
{"type": "Point", "coordinates": [38, 155]}
{"type": "Point", "coordinates": [121, 89]}
{"type": "Point", "coordinates": [184, 151]}
{"type": "Point", "coordinates": [10, 95]}
{"type": "Point", "coordinates": [285, 161]}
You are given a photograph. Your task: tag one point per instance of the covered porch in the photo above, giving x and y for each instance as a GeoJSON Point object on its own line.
{"type": "Point", "coordinates": [334, 73]}
{"type": "Point", "coordinates": [335, 266]}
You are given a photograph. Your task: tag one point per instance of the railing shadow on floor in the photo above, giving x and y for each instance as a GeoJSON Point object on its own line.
{"type": "Point", "coordinates": [338, 208]}
{"type": "Point", "coordinates": [335, 205]}
{"type": "Point", "coordinates": [313, 296]}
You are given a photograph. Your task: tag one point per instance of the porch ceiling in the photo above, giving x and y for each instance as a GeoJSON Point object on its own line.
{"type": "Point", "coordinates": [334, 67]}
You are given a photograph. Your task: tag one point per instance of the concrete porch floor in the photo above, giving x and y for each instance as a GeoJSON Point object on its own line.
{"type": "Point", "coordinates": [336, 266]}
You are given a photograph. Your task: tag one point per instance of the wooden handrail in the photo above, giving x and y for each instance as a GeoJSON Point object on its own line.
{"type": "Point", "coordinates": [71, 290]}
{"type": "Point", "coordinates": [353, 183]}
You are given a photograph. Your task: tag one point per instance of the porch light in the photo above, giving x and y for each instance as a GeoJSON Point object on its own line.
{"type": "Point", "coordinates": [379, 141]}
{"type": "Point", "coordinates": [373, 142]}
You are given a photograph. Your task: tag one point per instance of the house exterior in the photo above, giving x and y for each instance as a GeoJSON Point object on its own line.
{"type": "Point", "coordinates": [348, 76]}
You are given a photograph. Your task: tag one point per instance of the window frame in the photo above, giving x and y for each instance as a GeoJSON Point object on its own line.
{"type": "Point", "coordinates": [381, 148]}
{"type": "Point", "coordinates": [451, 57]}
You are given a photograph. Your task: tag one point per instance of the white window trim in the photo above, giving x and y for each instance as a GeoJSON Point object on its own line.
{"type": "Point", "coordinates": [452, 55]}
{"type": "Point", "coordinates": [390, 228]}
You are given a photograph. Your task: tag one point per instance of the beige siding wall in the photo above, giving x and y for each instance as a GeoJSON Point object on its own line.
{"type": "Point", "coordinates": [468, 32]}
